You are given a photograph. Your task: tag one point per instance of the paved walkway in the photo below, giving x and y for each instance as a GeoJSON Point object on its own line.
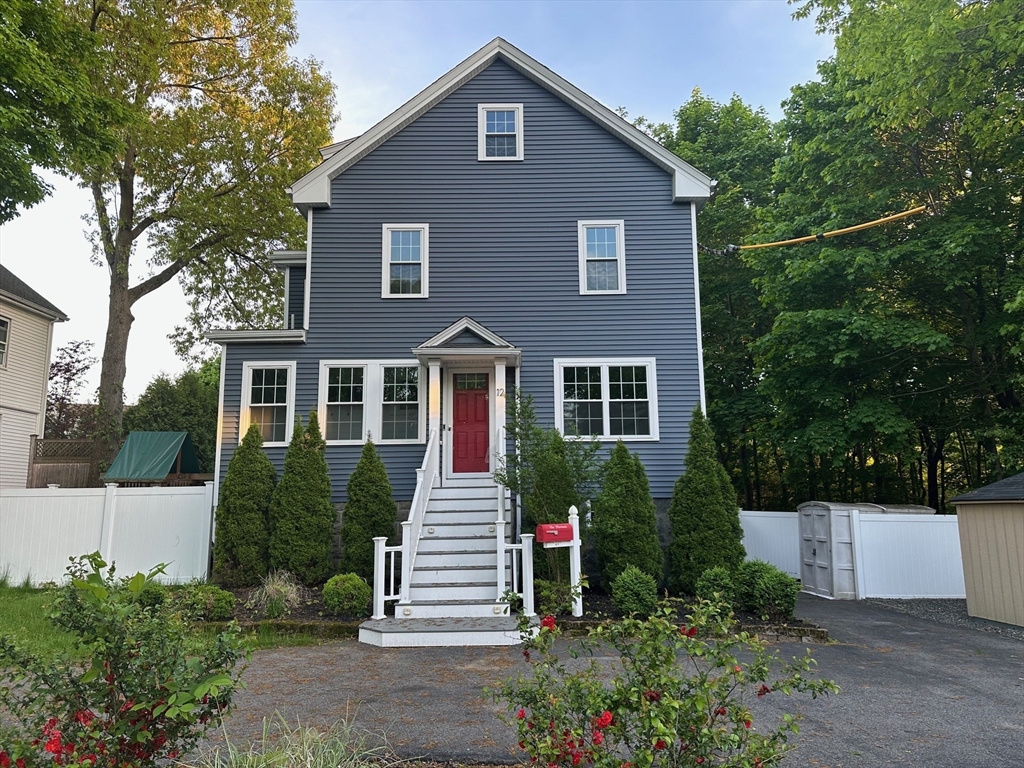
{"type": "Point", "coordinates": [915, 693]}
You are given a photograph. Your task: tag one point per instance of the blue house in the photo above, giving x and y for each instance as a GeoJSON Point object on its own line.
{"type": "Point", "coordinates": [500, 232]}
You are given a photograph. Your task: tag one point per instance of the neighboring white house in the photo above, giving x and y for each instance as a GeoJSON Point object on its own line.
{"type": "Point", "coordinates": [26, 335]}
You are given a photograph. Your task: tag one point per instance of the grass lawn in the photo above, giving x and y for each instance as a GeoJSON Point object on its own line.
{"type": "Point", "coordinates": [23, 617]}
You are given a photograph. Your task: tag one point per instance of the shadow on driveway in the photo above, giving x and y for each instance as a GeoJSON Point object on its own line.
{"type": "Point", "coordinates": [914, 693]}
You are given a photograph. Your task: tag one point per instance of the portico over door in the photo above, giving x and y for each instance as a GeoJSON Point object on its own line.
{"type": "Point", "coordinates": [471, 423]}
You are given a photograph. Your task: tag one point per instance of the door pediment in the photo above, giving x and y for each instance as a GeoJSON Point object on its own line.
{"type": "Point", "coordinates": [466, 340]}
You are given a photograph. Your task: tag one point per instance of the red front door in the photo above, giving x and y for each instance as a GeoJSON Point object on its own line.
{"type": "Point", "coordinates": [471, 429]}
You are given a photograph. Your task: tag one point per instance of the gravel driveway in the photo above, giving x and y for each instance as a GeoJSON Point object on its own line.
{"type": "Point", "coordinates": [915, 693]}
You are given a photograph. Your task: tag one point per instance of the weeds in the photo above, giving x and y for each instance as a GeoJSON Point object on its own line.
{"type": "Point", "coordinates": [278, 595]}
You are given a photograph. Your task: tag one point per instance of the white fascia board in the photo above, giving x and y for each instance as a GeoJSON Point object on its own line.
{"type": "Point", "coordinates": [272, 335]}
{"type": "Point", "coordinates": [461, 325]}
{"type": "Point", "coordinates": [288, 258]}
{"type": "Point", "coordinates": [314, 189]}
{"type": "Point", "coordinates": [33, 308]}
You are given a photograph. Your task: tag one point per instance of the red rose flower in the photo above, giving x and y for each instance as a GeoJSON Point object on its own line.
{"type": "Point", "coordinates": [746, 723]}
{"type": "Point", "coordinates": [660, 744]}
{"type": "Point", "coordinates": [652, 695]}
{"type": "Point", "coordinates": [50, 725]}
{"type": "Point", "coordinates": [548, 622]}
{"type": "Point", "coordinates": [526, 655]}
{"type": "Point", "coordinates": [598, 738]}
{"type": "Point", "coordinates": [5, 760]}
{"type": "Point", "coordinates": [84, 717]}
{"type": "Point", "coordinates": [605, 719]}
{"type": "Point", "coordinates": [626, 764]}
{"type": "Point", "coordinates": [720, 711]}
{"type": "Point", "coordinates": [53, 745]}
{"type": "Point", "coordinates": [521, 714]}
{"type": "Point", "coordinates": [763, 691]}
{"type": "Point", "coordinates": [699, 760]}
{"type": "Point", "coordinates": [20, 762]}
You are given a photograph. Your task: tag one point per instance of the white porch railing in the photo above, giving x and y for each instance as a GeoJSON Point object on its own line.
{"type": "Point", "coordinates": [384, 565]}
{"type": "Point", "coordinates": [520, 557]}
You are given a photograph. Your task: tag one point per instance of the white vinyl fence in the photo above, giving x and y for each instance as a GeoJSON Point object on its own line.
{"type": "Point", "coordinates": [773, 537]}
{"type": "Point", "coordinates": [907, 556]}
{"type": "Point", "coordinates": [896, 556]}
{"type": "Point", "coordinates": [136, 528]}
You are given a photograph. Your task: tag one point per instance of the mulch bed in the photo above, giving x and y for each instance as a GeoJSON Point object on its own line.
{"type": "Point", "coordinates": [311, 617]}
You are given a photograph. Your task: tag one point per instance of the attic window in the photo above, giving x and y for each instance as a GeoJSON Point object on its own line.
{"type": "Point", "coordinates": [500, 132]}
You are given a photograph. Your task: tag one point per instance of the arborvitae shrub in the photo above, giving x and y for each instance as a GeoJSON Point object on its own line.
{"type": "Point", "coordinates": [347, 593]}
{"type": "Point", "coordinates": [240, 556]}
{"type": "Point", "coordinates": [705, 518]}
{"type": "Point", "coordinates": [765, 591]}
{"type": "Point", "coordinates": [624, 519]}
{"type": "Point", "coordinates": [301, 513]}
{"type": "Point", "coordinates": [635, 592]}
{"type": "Point", "coordinates": [369, 512]}
{"type": "Point", "coordinates": [717, 581]}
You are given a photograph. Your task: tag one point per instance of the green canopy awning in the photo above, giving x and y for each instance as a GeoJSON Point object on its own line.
{"type": "Point", "coordinates": [151, 456]}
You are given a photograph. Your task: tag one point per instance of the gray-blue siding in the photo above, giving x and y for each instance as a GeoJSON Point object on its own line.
{"type": "Point", "coordinates": [503, 250]}
{"type": "Point", "coordinates": [296, 297]}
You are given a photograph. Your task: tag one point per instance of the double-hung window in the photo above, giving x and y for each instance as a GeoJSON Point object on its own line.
{"type": "Point", "coordinates": [500, 132]}
{"type": "Point", "coordinates": [405, 261]}
{"type": "Point", "coordinates": [268, 400]}
{"type": "Point", "coordinates": [379, 399]}
{"type": "Point", "coordinates": [608, 399]}
{"type": "Point", "coordinates": [5, 335]}
{"type": "Point", "coordinates": [602, 249]}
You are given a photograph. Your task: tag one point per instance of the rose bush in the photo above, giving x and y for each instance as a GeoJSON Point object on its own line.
{"type": "Point", "coordinates": [148, 690]}
{"type": "Point", "coordinates": [677, 698]}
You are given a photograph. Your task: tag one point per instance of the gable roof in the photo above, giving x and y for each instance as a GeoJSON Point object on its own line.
{"type": "Point", "coordinates": [1008, 489]}
{"type": "Point", "coordinates": [466, 339]}
{"type": "Point", "coordinates": [314, 189]}
{"type": "Point", "coordinates": [17, 290]}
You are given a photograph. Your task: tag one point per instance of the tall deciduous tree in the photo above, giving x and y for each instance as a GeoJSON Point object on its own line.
{"type": "Point", "coordinates": [66, 418]}
{"type": "Point", "coordinates": [216, 120]}
{"type": "Point", "coordinates": [50, 116]}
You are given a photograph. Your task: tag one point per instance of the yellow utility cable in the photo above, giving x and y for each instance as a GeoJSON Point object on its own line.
{"type": "Point", "coordinates": [835, 232]}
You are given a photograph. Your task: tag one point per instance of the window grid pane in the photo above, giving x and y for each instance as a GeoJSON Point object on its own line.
{"type": "Point", "coordinates": [400, 417]}
{"type": "Point", "coordinates": [344, 404]}
{"type": "Point", "coordinates": [268, 400]}
{"type": "Point", "coordinates": [4, 330]}
{"type": "Point", "coordinates": [628, 408]}
{"type": "Point", "coordinates": [406, 278]}
{"type": "Point", "coordinates": [601, 247]}
{"type": "Point", "coordinates": [271, 421]}
{"type": "Point", "coordinates": [582, 408]}
{"type": "Point", "coordinates": [500, 146]}
{"type": "Point", "coordinates": [405, 245]}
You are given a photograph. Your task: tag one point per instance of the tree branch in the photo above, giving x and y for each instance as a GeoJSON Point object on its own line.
{"type": "Point", "coordinates": [103, 218]}
{"type": "Point", "coordinates": [151, 284]}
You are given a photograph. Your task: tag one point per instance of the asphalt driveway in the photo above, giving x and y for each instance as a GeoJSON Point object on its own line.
{"type": "Point", "coordinates": [914, 693]}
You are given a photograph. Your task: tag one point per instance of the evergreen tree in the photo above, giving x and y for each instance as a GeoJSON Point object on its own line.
{"type": "Point", "coordinates": [625, 520]}
{"type": "Point", "coordinates": [369, 512]}
{"type": "Point", "coordinates": [240, 551]}
{"type": "Point", "coordinates": [705, 518]}
{"type": "Point", "coordinates": [301, 513]}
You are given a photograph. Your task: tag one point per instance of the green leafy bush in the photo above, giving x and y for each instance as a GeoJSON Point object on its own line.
{"type": "Point", "coordinates": [635, 592]}
{"type": "Point", "coordinates": [205, 602]}
{"type": "Point", "coordinates": [301, 513]}
{"type": "Point", "coordinates": [675, 700]}
{"type": "Point", "coordinates": [369, 512]}
{"type": "Point", "coordinates": [240, 554]}
{"type": "Point", "coordinates": [764, 590]}
{"type": "Point", "coordinates": [152, 595]}
{"type": "Point", "coordinates": [552, 597]}
{"type": "Point", "coordinates": [148, 691]}
{"type": "Point", "coordinates": [624, 522]}
{"type": "Point", "coordinates": [717, 581]}
{"type": "Point", "coordinates": [347, 593]}
{"type": "Point", "coordinates": [704, 514]}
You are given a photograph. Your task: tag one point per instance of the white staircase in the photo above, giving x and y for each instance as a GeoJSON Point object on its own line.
{"type": "Point", "coordinates": [453, 596]}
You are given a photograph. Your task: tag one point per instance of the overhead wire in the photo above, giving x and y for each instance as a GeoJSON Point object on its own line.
{"type": "Point", "coordinates": [729, 249]}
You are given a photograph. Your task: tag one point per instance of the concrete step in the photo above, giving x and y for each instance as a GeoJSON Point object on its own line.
{"type": "Point", "coordinates": [469, 590]}
{"type": "Point", "coordinates": [456, 556]}
{"type": "Point", "coordinates": [440, 609]}
{"type": "Point", "coordinates": [440, 632]}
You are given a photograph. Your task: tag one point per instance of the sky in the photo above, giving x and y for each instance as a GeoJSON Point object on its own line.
{"type": "Point", "coordinates": [646, 57]}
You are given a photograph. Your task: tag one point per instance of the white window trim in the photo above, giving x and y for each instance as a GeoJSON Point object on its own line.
{"type": "Point", "coordinates": [373, 399]}
{"type": "Point", "coordinates": [243, 417]}
{"type": "Point", "coordinates": [604, 362]}
{"type": "Point", "coordinates": [481, 131]}
{"type": "Point", "coordinates": [385, 275]}
{"type": "Point", "coordinates": [620, 249]}
{"type": "Point", "coordinates": [7, 343]}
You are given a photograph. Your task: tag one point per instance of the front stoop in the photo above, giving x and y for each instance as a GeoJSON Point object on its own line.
{"type": "Point", "coordinates": [440, 632]}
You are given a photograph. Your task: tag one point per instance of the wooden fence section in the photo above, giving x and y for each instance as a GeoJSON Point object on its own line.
{"type": "Point", "coordinates": [136, 528]}
{"type": "Point", "coordinates": [67, 463]}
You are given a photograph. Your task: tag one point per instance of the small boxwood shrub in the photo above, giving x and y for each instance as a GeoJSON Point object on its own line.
{"type": "Point", "coordinates": [205, 602]}
{"type": "Point", "coordinates": [764, 590]}
{"type": "Point", "coordinates": [152, 595]}
{"type": "Point", "coordinates": [553, 597]}
{"type": "Point", "coordinates": [635, 592]}
{"type": "Point", "coordinates": [717, 581]}
{"type": "Point", "coordinates": [347, 593]}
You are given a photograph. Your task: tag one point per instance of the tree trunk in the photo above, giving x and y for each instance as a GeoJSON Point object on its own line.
{"type": "Point", "coordinates": [110, 410]}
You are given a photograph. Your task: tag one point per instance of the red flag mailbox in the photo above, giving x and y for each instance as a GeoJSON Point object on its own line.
{"type": "Point", "coordinates": [551, 533]}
